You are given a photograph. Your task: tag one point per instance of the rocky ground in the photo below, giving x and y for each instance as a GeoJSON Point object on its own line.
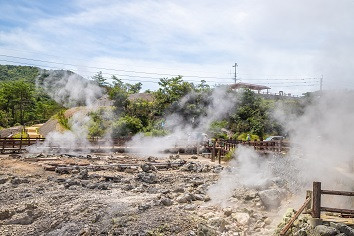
{"type": "Point", "coordinates": [126, 195]}
{"type": "Point", "coordinates": [143, 199]}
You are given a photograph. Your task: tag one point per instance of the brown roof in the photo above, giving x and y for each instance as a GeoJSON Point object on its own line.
{"type": "Point", "coordinates": [249, 86]}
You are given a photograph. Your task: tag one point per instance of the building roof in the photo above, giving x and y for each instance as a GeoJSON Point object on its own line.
{"type": "Point", "coordinates": [249, 86]}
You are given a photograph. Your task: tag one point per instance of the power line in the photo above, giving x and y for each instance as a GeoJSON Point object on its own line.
{"type": "Point", "coordinates": [110, 69]}
{"type": "Point", "coordinates": [80, 59]}
{"type": "Point", "coordinates": [147, 73]}
{"type": "Point", "coordinates": [141, 77]}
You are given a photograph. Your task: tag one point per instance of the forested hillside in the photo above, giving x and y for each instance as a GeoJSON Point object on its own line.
{"type": "Point", "coordinates": [20, 101]}
{"type": "Point", "coordinates": [197, 106]}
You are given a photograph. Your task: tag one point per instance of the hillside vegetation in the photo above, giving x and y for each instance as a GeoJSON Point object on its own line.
{"type": "Point", "coordinates": [21, 102]}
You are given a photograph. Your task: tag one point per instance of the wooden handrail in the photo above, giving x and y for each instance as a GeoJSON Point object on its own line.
{"type": "Point", "coordinates": [316, 201]}
{"type": "Point", "coordinates": [292, 220]}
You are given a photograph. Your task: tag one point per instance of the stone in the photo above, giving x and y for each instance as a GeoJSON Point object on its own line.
{"type": "Point", "coordinates": [6, 214]}
{"type": "Point", "coordinates": [131, 170]}
{"type": "Point", "coordinates": [194, 157]}
{"type": "Point", "coordinates": [271, 198]}
{"type": "Point", "coordinates": [152, 159]}
{"type": "Point", "coordinates": [241, 217]}
{"type": "Point", "coordinates": [300, 232]}
{"type": "Point", "coordinates": [144, 207]}
{"type": "Point", "coordinates": [198, 197]}
{"type": "Point", "coordinates": [146, 167]}
{"type": "Point", "coordinates": [250, 196]}
{"type": "Point", "coordinates": [343, 228]}
{"type": "Point", "coordinates": [185, 198]}
{"type": "Point", "coordinates": [23, 219]}
{"type": "Point", "coordinates": [227, 211]}
{"type": "Point", "coordinates": [204, 230]}
{"type": "Point", "coordinates": [150, 178]}
{"type": "Point", "coordinates": [179, 190]}
{"type": "Point", "coordinates": [3, 179]}
{"type": "Point", "coordinates": [71, 182]}
{"type": "Point", "coordinates": [217, 222]}
{"type": "Point", "coordinates": [102, 186]}
{"type": "Point", "coordinates": [83, 174]}
{"type": "Point", "coordinates": [127, 187]}
{"type": "Point", "coordinates": [191, 233]}
{"type": "Point", "coordinates": [218, 169]}
{"type": "Point", "coordinates": [207, 198]}
{"type": "Point", "coordinates": [209, 215]}
{"type": "Point", "coordinates": [16, 181]}
{"type": "Point", "coordinates": [190, 207]}
{"type": "Point", "coordinates": [166, 201]}
{"type": "Point", "coordinates": [323, 230]}
{"type": "Point", "coordinates": [267, 221]}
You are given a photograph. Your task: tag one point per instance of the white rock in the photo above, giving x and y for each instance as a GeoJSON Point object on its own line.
{"type": "Point", "coordinates": [241, 217]}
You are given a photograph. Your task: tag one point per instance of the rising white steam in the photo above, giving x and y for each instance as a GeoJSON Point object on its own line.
{"type": "Point", "coordinates": [69, 89]}
{"type": "Point", "coordinates": [322, 150]}
{"type": "Point", "coordinates": [181, 131]}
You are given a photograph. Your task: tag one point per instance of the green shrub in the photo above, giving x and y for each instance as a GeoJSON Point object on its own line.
{"type": "Point", "coordinates": [229, 155]}
{"type": "Point", "coordinates": [18, 135]}
{"type": "Point", "coordinates": [63, 121]}
{"type": "Point", "coordinates": [243, 137]}
{"type": "Point", "coordinates": [126, 126]}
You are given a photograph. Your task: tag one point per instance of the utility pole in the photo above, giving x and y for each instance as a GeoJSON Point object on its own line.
{"type": "Point", "coordinates": [235, 71]}
{"type": "Point", "coordinates": [321, 83]}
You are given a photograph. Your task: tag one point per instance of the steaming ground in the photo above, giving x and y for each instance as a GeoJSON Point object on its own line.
{"type": "Point", "coordinates": [322, 150]}
{"type": "Point", "coordinates": [137, 201]}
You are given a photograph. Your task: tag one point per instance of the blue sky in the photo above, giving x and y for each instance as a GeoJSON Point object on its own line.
{"type": "Point", "coordinates": [279, 43]}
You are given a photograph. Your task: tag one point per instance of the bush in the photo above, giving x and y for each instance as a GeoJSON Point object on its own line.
{"type": "Point", "coordinates": [229, 155]}
{"type": "Point", "coordinates": [18, 135]}
{"type": "Point", "coordinates": [126, 126]}
{"type": "Point", "coordinates": [63, 121]}
{"type": "Point", "coordinates": [156, 133]}
{"type": "Point", "coordinates": [243, 137]}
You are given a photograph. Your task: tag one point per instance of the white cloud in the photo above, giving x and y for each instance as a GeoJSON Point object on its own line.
{"type": "Point", "coordinates": [264, 37]}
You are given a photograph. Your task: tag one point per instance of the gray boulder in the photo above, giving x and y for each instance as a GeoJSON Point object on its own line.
{"type": "Point", "coordinates": [271, 198]}
{"type": "Point", "coordinates": [149, 178]}
{"type": "Point", "coordinates": [323, 230]}
{"type": "Point", "coordinates": [166, 201]}
{"type": "Point", "coordinates": [343, 228]}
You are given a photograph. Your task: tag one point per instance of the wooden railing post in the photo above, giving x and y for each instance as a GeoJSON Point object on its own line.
{"type": "Point", "coordinates": [213, 151]}
{"type": "Point", "coordinates": [3, 144]}
{"type": "Point", "coordinates": [316, 200]}
{"type": "Point", "coordinates": [220, 155]}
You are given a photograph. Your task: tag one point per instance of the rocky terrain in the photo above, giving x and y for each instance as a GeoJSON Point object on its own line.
{"type": "Point", "coordinates": [125, 195]}
{"type": "Point", "coordinates": [90, 195]}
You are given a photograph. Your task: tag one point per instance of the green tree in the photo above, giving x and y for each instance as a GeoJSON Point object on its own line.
{"type": "Point", "coordinates": [251, 115]}
{"type": "Point", "coordinates": [127, 126]}
{"type": "Point", "coordinates": [170, 91]}
{"type": "Point", "coordinates": [100, 80]}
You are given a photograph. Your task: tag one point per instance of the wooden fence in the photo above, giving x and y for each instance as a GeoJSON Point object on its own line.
{"type": "Point", "coordinates": [221, 147]}
{"type": "Point", "coordinates": [316, 201]}
{"type": "Point", "coordinates": [17, 145]}
{"type": "Point", "coordinates": [314, 197]}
